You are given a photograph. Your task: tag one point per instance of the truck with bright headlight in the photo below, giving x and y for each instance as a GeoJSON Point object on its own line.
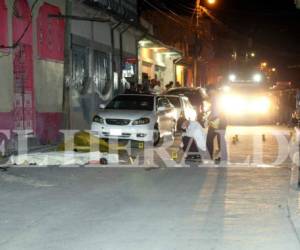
{"type": "Point", "coordinates": [246, 101]}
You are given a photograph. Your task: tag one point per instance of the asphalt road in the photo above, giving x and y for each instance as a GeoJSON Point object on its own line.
{"type": "Point", "coordinates": [161, 209]}
{"type": "Point", "coordinates": [248, 205]}
{"type": "Point", "coordinates": [259, 146]}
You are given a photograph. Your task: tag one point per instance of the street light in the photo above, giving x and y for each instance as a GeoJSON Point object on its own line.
{"type": "Point", "coordinates": [264, 64]}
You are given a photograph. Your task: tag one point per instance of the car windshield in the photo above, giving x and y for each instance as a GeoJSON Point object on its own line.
{"type": "Point", "coordinates": [132, 102]}
{"type": "Point", "coordinates": [175, 101]}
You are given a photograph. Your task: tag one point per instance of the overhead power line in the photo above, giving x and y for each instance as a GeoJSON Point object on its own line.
{"type": "Point", "coordinates": [165, 14]}
{"type": "Point", "coordinates": [16, 44]}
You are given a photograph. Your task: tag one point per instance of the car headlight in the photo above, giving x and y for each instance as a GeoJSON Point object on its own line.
{"type": "Point", "coordinates": [257, 77]}
{"type": "Point", "coordinates": [98, 119]}
{"type": "Point", "coordinates": [141, 121]}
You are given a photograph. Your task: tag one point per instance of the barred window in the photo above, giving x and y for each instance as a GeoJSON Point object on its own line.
{"type": "Point", "coordinates": [101, 72]}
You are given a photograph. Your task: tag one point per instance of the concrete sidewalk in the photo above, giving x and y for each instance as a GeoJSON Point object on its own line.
{"type": "Point", "coordinates": [109, 209]}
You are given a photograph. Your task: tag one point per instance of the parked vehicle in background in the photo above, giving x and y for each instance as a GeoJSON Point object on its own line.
{"type": "Point", "coordinates": [137, 117]}
{"type": "Point", "coordinates": [184, 109]}
{"type": "Point", "coordinates": [196, 98]}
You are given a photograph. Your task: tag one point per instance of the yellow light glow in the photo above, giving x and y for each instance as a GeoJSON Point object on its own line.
{"type": "Point", "coordinates": [274, 69]}
{"type": "Point", "coordinates": [211, 1]}
{"type": "Point", "coordinates": [264, 64]}
{"type": "Point", "coordinates": [253, 54]}
{"type": "Point", "coordinates": [180, 74]}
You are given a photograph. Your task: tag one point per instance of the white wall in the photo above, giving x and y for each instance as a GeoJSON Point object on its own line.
{"type": "Point", "coordinates": [49, 81]}
{"type": "Point", "coordinates": [6, 83]}
{"type": "Point", "coordinates": [170, 69]}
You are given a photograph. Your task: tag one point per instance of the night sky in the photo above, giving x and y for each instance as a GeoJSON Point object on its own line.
{"type": "Point", "coordinates": [274, 26]}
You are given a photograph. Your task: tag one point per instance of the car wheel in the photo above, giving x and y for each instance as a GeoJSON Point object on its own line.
{"type": "Point", "coordinates": [156, 135]}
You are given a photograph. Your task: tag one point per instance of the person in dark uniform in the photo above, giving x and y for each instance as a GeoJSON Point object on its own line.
{"type": "Point", "coordinates": [216, 128]}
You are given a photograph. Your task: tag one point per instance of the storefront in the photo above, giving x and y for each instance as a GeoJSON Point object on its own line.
{"type": "Point", "coordinates": [157, 61]}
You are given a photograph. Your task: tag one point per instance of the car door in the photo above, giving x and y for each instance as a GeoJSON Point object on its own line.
{"type": "Point", "coordinates": [165, 115]}
{"type": "Point", "coordinates": [190, 112]}
{"type": "Point", "coordinates": [178, 105]}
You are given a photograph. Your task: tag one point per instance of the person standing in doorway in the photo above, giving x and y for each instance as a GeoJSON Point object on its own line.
{"type": "Point", "coordinates": [216, 128]}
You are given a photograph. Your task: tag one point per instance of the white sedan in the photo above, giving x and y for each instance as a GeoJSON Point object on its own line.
{"type": "Point", "coordinates": [136, 117]}
{"type": "Point", "coordinates": [184, 109]}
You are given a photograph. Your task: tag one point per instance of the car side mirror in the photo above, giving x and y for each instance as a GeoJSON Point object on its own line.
{"type": "Point", "coordinates": [102, 106]}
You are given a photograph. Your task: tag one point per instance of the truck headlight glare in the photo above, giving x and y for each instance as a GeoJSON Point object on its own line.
{"type": "Point", "coordinates": [232, 77]}
{"type": "Point", "coordinates": [257, 78]}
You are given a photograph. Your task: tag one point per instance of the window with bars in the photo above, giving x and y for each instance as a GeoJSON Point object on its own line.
{"type": "Point", "coordinates": [80, 69]}
{"type": "Point", "coordinates": [101, 72]}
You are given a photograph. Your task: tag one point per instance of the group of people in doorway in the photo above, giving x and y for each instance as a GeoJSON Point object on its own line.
{"type": "Point", "coordinates": [153, 86]}
{"type": "Point", "coordinates": [157, 88]}
{"type": "Point", "coordinates": [199, 143]}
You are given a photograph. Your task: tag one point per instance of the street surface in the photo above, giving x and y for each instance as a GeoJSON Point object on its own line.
{"type": "Point", "coordinates": [275, 142]}
{"type": "Point", "coordinates": [188, 208]}
{"type": "Point", "coordinates": [240, 208]}
{"type": "Point", "coordinates": [259, 145]}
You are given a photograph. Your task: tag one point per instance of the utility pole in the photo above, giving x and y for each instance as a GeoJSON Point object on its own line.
{"type": "Point", "coordinates": [67, 67]}
{"type": "Point", "coordinates": [198, 11]}
{"type": "Point", "coordinates": [198, 16]}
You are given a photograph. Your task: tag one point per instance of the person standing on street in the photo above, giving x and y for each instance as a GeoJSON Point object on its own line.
{"type": "Point", "coordinates": [216, 129]}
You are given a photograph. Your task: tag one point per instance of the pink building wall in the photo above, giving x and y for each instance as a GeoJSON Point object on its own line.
{"type": "Point", "coordinates": [39, 39]}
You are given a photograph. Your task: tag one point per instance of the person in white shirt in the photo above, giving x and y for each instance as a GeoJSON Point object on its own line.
{"type": "Point", "coordinates": [194, 139]}
{"type": "Point", "coordinates": [157, 88]}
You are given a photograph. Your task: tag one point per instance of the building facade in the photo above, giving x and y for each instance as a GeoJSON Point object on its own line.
{"type": "Point", "coordinates": [103, 53]}
{"type": "Point", "coordinates": [195, 43]}
{"type": "Point", "coordinates": [60, 59]}
{"type": "Point", "coordinates": [31, 66]}
{"type": "Point", "coordinates": [157, 62]}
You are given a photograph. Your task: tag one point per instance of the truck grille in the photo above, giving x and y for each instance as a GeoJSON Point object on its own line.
{"type": "Point", "coordinates": [119, 122]}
